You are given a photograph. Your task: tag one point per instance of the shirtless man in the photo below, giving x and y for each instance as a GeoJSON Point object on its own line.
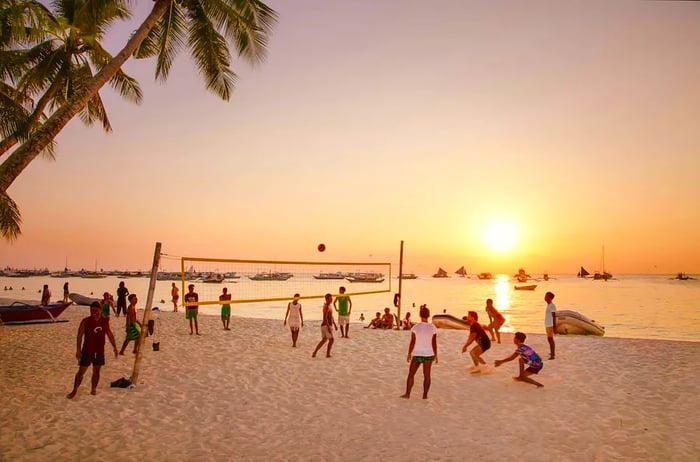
{"type": "Point", "coordinates": [91, 347]}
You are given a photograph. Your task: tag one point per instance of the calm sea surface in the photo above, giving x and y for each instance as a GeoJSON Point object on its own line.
{"type": "Point", "coordinates": [632, 306]}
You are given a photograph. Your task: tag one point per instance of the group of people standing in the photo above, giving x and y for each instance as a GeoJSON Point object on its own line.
{"type": "Point", "coordinates": [342, 305]}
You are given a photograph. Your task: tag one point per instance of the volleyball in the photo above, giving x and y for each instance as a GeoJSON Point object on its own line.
{"type": "Point", "coordinates": [321, 247]}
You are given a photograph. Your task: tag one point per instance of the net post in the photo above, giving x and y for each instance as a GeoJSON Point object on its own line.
{"type": "Point", "coordinates": [400, 281]}
{"type": "Point", "coordinates": [146, 314]}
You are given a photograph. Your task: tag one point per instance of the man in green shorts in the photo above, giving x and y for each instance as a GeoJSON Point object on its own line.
{"type": "Point", "coordinates": [225, 308]}
{"type": "Point", "coordinates": [191, 311]}
{"type": "Point", "coordinates": [343, 306]}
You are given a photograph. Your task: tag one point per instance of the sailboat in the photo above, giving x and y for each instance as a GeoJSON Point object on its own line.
{"type": "Point", "coordinates": [582, 273]}
{"type": "Point", "coordinates": [462, 272]}
{"type": "Point", "coordinates": [441, 273]}
{"type": "Point", "coordinates": [602, 275]}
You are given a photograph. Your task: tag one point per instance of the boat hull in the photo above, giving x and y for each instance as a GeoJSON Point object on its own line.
{"type": "Point", "coordinates": [528, 287]}
{"type": "Point", "coordinates": [574, 323]}
{"type": "Point", "coordinates": [83, 300]}
{"type": "Point", "coordinates": [20, 313]}
{"type": "Point", "coordinates": [447, 321]}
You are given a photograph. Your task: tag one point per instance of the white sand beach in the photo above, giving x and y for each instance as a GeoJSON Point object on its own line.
{"type": "Point", "coordinates": [245, 394]}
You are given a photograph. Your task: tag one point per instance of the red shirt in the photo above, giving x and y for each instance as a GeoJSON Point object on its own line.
{"type": "Point", "coordinates": [94, 335]}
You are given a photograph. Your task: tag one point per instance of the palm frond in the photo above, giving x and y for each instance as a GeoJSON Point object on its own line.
{"type": "Point", "coordinates": [165, 40]}
{"type": "Point", "coordinates": [248, 24]}
{"type": "Point", "coordinates": [127, 86]}
{"type": "Point", "coordinates": [211, 54]}
{"type": "Point", "coordinates": [10, 218]}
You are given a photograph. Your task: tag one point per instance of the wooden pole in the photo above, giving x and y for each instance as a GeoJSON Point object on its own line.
{"type": "Point", "coordinates": [400, 281]}
{"type": "Point", "coordinates": [146, 314]}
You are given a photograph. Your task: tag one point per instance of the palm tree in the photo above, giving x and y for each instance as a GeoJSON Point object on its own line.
{"type": "Point", "coordinates": [62, 62]}
{"type": "Point", "coordinates": [205, 26]}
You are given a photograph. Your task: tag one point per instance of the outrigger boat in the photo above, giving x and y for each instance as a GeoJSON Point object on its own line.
{"type": "Point", "coordinates": [30, 312]}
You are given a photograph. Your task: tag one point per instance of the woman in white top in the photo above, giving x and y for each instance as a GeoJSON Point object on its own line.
{"type": "Point", "coordinates": [294, 318]}
{"type": "Point", "coordinates": [422, 350]}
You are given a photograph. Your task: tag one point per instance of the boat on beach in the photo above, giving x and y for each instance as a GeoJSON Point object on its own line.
{"type": "Point", "coordinates": [447, 321]}
{"type": "Point", "coordinates": [527, 287]}
{"type": "Point", "coordinates": [19, 312]}
{"type": "Point", "coordinates": [83, 300]}
{"type": "Point", "coordinates": [570, 322]}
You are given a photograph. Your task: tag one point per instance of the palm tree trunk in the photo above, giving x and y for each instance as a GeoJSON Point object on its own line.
{"type": "Point", "coordinates": [21, 157]}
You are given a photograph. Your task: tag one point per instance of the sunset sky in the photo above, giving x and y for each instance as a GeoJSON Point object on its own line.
{"type": "Point", "coordinates": [572, 124]}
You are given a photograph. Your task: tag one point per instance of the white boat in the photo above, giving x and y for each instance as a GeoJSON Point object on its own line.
{"type": "Point", "coordinates": [447, 321]}
{"type": "Point", "coordinates": [83, 300]}
{"type": "Point", "coordinates": [336, 275]}
{"type": "Point", "coordinates": [527, 287]}
{"type": "Point", "coordinates": [574, 323]}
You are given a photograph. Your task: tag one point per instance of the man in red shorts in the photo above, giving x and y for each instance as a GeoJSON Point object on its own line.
{"type": "Point", "coordinates": [91, 347]}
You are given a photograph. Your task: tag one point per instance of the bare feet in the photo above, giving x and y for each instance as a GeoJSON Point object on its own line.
{"type": "Point", "coordinates": [313, 355]}
{"type": "Point", "coordinates": [71, 395]}
{"type": "Point", "coordinates": [475, 370]}
{"type": "Point", "coordinates": [406, 396]}
{"type": "Point", "coordinates": [93, 392]}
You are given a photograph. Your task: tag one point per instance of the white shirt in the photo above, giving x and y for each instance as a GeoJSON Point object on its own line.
{"type": "Point", "coordinates": [549, 315]}
{"type": "Point", "coordinates": [424, 339]}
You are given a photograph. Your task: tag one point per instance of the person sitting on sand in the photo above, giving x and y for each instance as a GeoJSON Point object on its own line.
{"type": "Point", "coordinates": [91, 347]}
{"type": "Point", "coordinates": [133, 328]}
{"type": "Point", "coordinates": [375, 323]}
{"type": "Point", "coordinates": [406, 323]}
{"type": "Point", "coordinates": [496, 320]}
{"type": "Point", "coordinates": [387, 319]}
{"type": "Point", "coordinates": [527, 356]}
{"type": "Point", "coordinates": [478, 335]}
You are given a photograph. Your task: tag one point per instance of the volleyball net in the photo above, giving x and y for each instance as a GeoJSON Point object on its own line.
{"type": "Point", "coordinates": [251, 281]}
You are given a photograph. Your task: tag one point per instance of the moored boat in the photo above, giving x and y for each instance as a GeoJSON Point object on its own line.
{"type": "Point", "coordinates": [527, 287]}
{"type": "Point", "coordinates": [461, 271]}
{"type": "Point", "coordinates": [366, 277]}
{"type": "Point", "coordinates": [441, 273]}
{"type": "Point", "coordinates": [336, 275]}
{"type": "Point", "coordinates": [271, 276]}
{"type": "Point", "coordinates": [30, 312]}
{"type": "Point", "coordinates": [485, 276]}
{"type": "Point", "coordinates": [408, 276]}
{"type": "Point", "coordinates": [570, 322]}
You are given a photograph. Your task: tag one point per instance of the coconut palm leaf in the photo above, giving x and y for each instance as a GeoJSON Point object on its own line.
{"type": "Point", "coordinates": [210, 53]}
{"type": "Point", "coordinates": [10, 219]}
{"type": "Point", "coordinates": [165, 40]}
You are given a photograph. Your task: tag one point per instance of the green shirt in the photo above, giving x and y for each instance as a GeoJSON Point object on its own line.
{"type": "Point", "coordinates": [343, 305]}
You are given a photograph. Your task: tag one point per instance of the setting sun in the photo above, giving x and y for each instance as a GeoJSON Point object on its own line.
{"type": "Point", "coordinates": [501, 236]}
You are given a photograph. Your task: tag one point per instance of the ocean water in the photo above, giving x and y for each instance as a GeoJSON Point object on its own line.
{"type": "Point", "coordinates": [630, 306]}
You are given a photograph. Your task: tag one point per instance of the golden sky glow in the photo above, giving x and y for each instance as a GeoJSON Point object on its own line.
{"type": "Point", "coordinates": [373, 122]}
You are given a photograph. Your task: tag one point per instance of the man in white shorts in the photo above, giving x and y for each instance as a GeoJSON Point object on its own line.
{"type": "Point", "coordinates": [343, 306]}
